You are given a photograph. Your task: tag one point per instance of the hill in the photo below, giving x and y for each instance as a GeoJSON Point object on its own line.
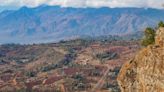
{"type": "Point", "coordinates": [54, 23]}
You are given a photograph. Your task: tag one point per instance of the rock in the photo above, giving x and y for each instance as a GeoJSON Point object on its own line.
{"type": "Point", "coordinates": [145, 72]}
{"type": "Point", "coordinates": [160, 37]}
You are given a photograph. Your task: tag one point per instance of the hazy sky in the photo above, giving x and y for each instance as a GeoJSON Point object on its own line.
{"type": "Point", "coordinates": [11, 4]}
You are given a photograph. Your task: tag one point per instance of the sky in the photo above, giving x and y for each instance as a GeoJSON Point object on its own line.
{"type": "Point", "coordinates": [14, 4]}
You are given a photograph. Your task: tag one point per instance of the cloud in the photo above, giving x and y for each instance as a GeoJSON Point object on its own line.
{"type": "Point", "coordinates": [85, 3]}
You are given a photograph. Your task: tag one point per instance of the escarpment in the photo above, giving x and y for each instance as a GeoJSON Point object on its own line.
{"type": "Point", "coordinates": [145, 72]}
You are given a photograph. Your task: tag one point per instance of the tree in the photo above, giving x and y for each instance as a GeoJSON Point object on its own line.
{"type": "Point", "coordinates": [31, 74]}
{"type": "Point", "coordinates": [149, 37]}
{"type": "Point", "coordinates": [160, 24]}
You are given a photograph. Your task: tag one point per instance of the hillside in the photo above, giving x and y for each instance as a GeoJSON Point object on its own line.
{"type": "Point", "coordinates": [144, 73]}
{"type": "Point", "coordinates": [68, 66]}
{"type": "Point", "coordinates": [53, 23]}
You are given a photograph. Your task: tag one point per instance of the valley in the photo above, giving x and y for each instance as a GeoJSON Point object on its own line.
{"type": "Point", "coordinates": [77, 65]}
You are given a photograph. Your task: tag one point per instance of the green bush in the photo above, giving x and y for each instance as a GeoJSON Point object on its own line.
{"type": "Point", "coordinates": [149, 37]}
{"type": "Point", "coordinates": [31, 74]}
{"type": "Point", "coordinates": [160, 24]}
{"type": "Point", "coordinates": [106, 56]}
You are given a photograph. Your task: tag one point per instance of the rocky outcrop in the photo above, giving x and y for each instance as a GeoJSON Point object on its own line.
{"type": "Point", "coordinates": [145, 72]}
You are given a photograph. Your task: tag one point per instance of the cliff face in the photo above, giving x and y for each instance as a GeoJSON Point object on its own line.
{"type": "Point", "coordinates": [145, 72]}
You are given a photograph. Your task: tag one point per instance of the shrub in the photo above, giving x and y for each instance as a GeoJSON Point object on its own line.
{"type": "Point", "coordinates": [161, 24]}
{"type": "Point", "coordinates": [149, 37]}
{"type": "Point", "coordinates": [107, 56]}
{"type": "Point", "coordinates": [31, 74]}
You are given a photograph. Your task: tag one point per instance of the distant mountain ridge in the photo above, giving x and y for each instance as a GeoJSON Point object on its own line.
{"type": "Point", "coordinates": [54, 23]}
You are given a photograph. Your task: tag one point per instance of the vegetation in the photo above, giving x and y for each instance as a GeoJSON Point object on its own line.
{"type": "Point", "coordinates": [149, 37]}
{"type": "Point", "coordinates": [39, 63]}
{"type": "Point", "coordinates": [49, 67]}
{"type": "Point", "coordinates": [31, 74]}
{"type": "Point", "coordinates": [160, 24]}
{"type": "Point", "coordinates": [107, 56]}
{"type": "Point", "coordinates": [67, 59]}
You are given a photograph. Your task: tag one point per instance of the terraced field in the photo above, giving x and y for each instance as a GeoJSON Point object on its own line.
{"type": "Point", "coordinates": [68, 66]}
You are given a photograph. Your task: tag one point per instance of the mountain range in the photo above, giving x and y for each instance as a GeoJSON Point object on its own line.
{"type": "Point", "coordinates": [54, 23]}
